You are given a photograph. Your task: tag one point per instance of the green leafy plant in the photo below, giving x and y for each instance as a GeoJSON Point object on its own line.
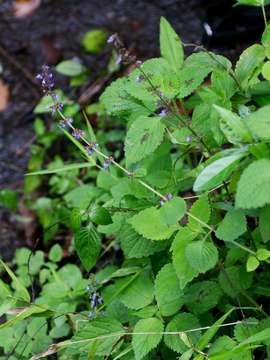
{"type": "Point", "coordinates": [184, 203]}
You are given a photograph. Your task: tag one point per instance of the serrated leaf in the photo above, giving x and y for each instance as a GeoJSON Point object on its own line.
{"type": "Point", "coordinates": [181, 323]}
{"type": "Point", "coordinates": [150, 224]}
{"type": "Point", "coordinates": [252, 263]}
{"type": "Point", "coordinates": [234, 279]}
{"type": "Point", "coordinates": [135, 245]}
{"type": "Point", "coordinates": [88, 245]}
{"type": "Point", "coordinates": [259, 123]}
{"type": "Point", "coordinates": [263, 254]}
{"type": "Point", "coordinates": [199, 214]}
{"type": "Point", "coordinates": [75, 219]}
{"type": "Point", "coordinates": [202, 255]}
{"type": "Point", "coordinates": [170, 45]}
{"type": "Point", "coordinates": [217, 172]}
{"type": "Point", "coordinates": [264, 223]}
{"type": "Point", "coordinates": [232, 226]}
{"type": "Point", "coordinates": [143, 137]}
{"type": "Point", "coordinates": [183, 269]}
{"type": "Point", "coordinates": [139, 293]}
{"type": "Point", "coordinates": [233, 126]}
{"type": "Point", "coordinates": [253, 186]}
{"type": "Point", "coordinates": [143, 343]}
{"type": "Point", "coordinates": [249, 61]}
{"type": "Point", "coordinates": [168, 293]}
{"type": "Point", "coordinates": [173, 211]}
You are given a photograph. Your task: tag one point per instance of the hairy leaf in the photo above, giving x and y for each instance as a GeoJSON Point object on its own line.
{"type": "Point", "coordinates": [232, 226]}
{"type": "Point", "coordinates": [259, 123]}
{"type": "Point", "coordinates": [202, 255]}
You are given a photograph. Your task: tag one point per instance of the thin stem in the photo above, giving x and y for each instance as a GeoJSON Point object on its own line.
{"type": "Point", "coordinates": [264, 15]}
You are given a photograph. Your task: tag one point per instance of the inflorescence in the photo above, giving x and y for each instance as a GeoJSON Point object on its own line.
{"type": "Point", "coordinates": [96, 300]}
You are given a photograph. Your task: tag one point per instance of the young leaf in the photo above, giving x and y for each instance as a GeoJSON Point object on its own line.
{"type": "Point", "coordinates": [253, 186]}
{"type": "Point", "coordinates": [259, 123]}
{"type": "Point", "coordinates": [168, 294]}
{"type": "Point", "coordinates": [263, 254]}
{"type": "Point", "coordinates": [150, 224]}
{"type": "Point", "coordinates": [182, 267]}
{"type": "Point", "coordinates": [252, 263]}
{"type": "Point", "coordinates": [88, 245]}
{"type": "Point", "coordinates": [202, 255]}
{"type": "Point", "coordinates": [144, 337]}
{"type": "Point", "coordinates": [251, 59]}
{"type": "Point", "coordinates": [199, 214]}
{"type": "Point", "coordinates": [143, 137]}
{"type": "Point", "coordinates": [181, 323]}
{"type": "Point", "coordinates": [70, 68]}
{"type": "Point", "coordinates": [170, 45]}
{"type": "Point", "coordinates": [233, 127]}
{"type": "Point", "coordinates": [217, 172]}
{"type": "Point", "coordinates": [232, 226]}
{"type": "Point", "coordinates": [173, 211]}
{"type": "Point", "coordinates": [56, 253]}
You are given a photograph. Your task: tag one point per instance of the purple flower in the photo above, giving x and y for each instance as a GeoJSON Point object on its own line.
{"type": "Point", "coordinates": [65, 122]}
{"type": "Point", "coordinates": [119, 59]}
{"type": "Point", "coordinates": [189, 139]}
{"type": "Point", "coordinates": [91, 315]}
{"type": "Point", "coordinates": [91, 148]}
{"type": "Point", "coordinates": [58, 106]}
{"type": "Point", "coordinates": [163, 112]}
{"type": "Point", "coordinates": [77, 133]}
{"type": "Point", "coordinates": [46, 79]}
{"type": "Point", "coordinates": [111, 39]}
{"type": "Point", "coordinates": [107, 162]}
{"type": "Point", "coordinates": [166, 198]}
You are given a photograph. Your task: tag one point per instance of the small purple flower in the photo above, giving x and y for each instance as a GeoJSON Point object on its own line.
{"type": "Point", "coordinates": [77, 133]}
{"type": "Point", "coordinates": [118, 59]}
{"type": "Point", "coordinates": [65, 122]}
{"type": "Point", "coordinates": [46, 79]}
{"type": "Point", "coordinates": [58, 106]}
{"type": "Point", "coordinates": [139, 78]}
{"type": "Point", "coordinates": [189, 139]}
{"type": "Point", "coordinates": [169, 197]}
{"type": "Point", "coordinates": [91, 315]}
{"type": "Point", "coordinates": [107, 162]}
{"type": "Point", "coordinates": [166, 198]}
{"type": "Point", "coordinates": [111, 39]}
{"type": "Point", "coordinates": [163, 112]}
{"type": "Point", "coordinates": [91, 148]}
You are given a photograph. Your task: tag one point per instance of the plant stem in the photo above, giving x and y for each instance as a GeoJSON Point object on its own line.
{"type": "Point", "coordinates": [264, 15]}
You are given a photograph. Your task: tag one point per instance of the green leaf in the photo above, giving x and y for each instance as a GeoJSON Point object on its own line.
{"type": "Point", "coordinates": [173, 211]}
{"type": "Point", "coordinates": [266, 35]}
{"type": "Point", "coordinates": [135, 245]}
{"type": "Point", "coordinates": [70, 67]}
{"type": "Point", "coordinates": [199, 214]}
{"type": "Point", "coordinates": [253, 186]}
{"type": "Point", "coordinates": [142, 342]}
{"type": "Point", "coordinates": [143, 137]}
{"type": "Point", "coordinates": [62, 169]}
{"type": "Point", "coordinates": [257, 338]}
{"type": "Point", "coordinates": [75, 219]}
{"type": "Point", "coordinates": [234, 279]}
{"type": "Point", "coordinates": [94, 41]}
{"type": "Point", "coordinates": [251, 59]}
{"type": "Point", "coordinates": [259, 123]}
{"type": "Point", "coordinates": [184, 271]}
{"type": "Point", "coordinates": [252, 263]}
{"type": "Point", "coordinates": [263, 254]}
{"type": "Point", "coordinates": [170, 45]}
{"type": "Point", "coordinates": [217, 172]}
{"type": "Point", "coordinates": [233, 126]}
{"type": "Point", "coordinates": [56, 253]}
{"type": "Point", "coordinates": [266, 70]}
{"type": "Point", "coordinates": [202, 255]}
{"type": "Point", "coordinates": [182, 323]}
{"type": "Point", "coordinates": [137, 294]}
{"type": "Point", "coordinates": [232, 226]}
{"type": "Point", "coordinates": [264, 223]}
{"type": "Point", "coordinates": [21, 291]}
{"type": "Point", "coordinates": [100, 335]}
{"type": "Point", "coordinates": [150, 224]}
{"type": "Point", "coordinates": [168, 293]}
{"type": "Point", "coordinates": [81, 196]}
{"type": "Point", "coordinates": [253, 2]}
{"type": "Point", "coordinates": [88, 245]}
{"type": "Point", "coordinates": [9, 199]}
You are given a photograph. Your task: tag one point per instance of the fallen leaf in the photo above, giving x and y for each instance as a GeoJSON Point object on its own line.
{"type": "Point", "coordinates": [4, 95]}
{"type": "Point", "coordinates": [23, 8]}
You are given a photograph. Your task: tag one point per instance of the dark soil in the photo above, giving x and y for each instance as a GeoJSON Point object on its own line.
{"type": "Point", "coordinates": [53, 33]}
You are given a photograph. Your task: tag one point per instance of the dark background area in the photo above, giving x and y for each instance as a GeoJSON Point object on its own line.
{"type": "Point", "coordinates": [53, 33]}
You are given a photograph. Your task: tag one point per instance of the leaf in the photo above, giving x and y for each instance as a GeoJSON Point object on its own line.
{"type": "Point", "coordinates": [181, 323]}
{"type": "Point", "coordinates": [56, 253]}
{"type": "Point", "coordinates": [257, 338]}
{"type": "Point", "coordinates": [100, 334]}
{"type": "Point", "coordinates": [143, 137]}
{"type": "Point", "coordinates": [253, 186]}
{"type": "Point", "coordinates": [170, 45]}
{"type": "Point", "coordinates": [184, 271]}
{"type": "Point", "coordinates": [173, 211]}
{"type": "Point", "coordinates": [264, 223]}
{"type": "Point", "coordinates": [251, 59]}
{"type": "Point", "coordinates": [259, 123]}
{"type": "Point", "coordinates": [62, 169]}
{"type": "Point", "coordinates": [233, 127]}
{"type": "Point", "coordinates": [263, 254]}
{"type": "Point", "coordinates": [199, 214]}
{"type": "Point", "coordinates": [135, 245]}
{"type": "Point", "coordinates": [202, 255]}
{"type": "Point", "coordinates": [143, 343]}
{"type": "Point", "coordinates": [252, 263]}
{"type": "Point", "coordinates": [234, 279]}
{"type": "Point", "coordinates": [211, 332]}
{"type": "Point", "coordinates": [88, 245]}
{"type": "Point", "coordinates": [24, 313]}
{"type": "Point", "coordinates": [70, 67]}
{"type": "Point", "coordinates": [266, 70]}
{"type": "Point", "coordinates": [19, 287]}
{"type": "Point", "coordinates": [232, 226]}
{"type": "Point", "coordinates": [168, 293]}
{"type": "Point", "coordinates": [150, 224]}
{"type": "Point", "coordinates": [81, 196]}
{"type": "Point", "coordinates": [139, 293]}
{"type": "Point", "coordinates": [94, 41]}
{"type": "Point", "coordinates": [217, 172]}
